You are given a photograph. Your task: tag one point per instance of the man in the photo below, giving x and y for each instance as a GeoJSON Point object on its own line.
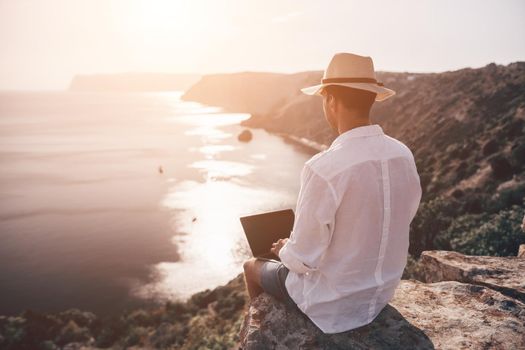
{"type": "Point", "coordinates": [349, 243]}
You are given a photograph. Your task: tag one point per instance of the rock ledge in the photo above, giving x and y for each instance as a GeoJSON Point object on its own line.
{"type": "Point", "coordinates": [439, 315]}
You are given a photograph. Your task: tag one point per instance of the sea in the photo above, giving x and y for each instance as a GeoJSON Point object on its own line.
{"type": "Point", "coordinates": [112, 200]}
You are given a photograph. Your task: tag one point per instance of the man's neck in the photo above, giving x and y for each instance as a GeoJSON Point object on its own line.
{"type": "Point", "coordinates": [352, 122]}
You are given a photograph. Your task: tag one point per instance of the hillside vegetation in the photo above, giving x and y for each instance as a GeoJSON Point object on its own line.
{"type": "Point", "coordinates": [466, 129]}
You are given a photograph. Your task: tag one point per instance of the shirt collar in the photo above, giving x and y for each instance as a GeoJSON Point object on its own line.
{"type": "Point", "coordinates": [361, 131]}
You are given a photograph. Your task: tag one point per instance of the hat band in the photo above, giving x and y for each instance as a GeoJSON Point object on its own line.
{"type": "Point", "coordinates": [351, 80]}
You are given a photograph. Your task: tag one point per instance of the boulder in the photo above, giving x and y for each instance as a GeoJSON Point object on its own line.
{"type": "Point", "coordinates": [245, 136]}
{"type": "Point", "coordinates": [521, 251]}
{"type": "Point", "coordinates": [474, 302]}
{"type": "Point", "coordinates": [441, 315]}
{"type": "Point", "coordinates": [504, 274]}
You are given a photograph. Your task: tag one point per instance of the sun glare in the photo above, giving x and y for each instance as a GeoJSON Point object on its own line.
{"type": "Point", "coordinates": [161, 33]}
{"type": "Point", "coordinates": [157, 23]}
{"type": "Point", "coordinates": [161, 15]}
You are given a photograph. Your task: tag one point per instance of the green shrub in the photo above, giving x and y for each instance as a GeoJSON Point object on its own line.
{"type": "Point", "coordinates": [501, 167]}
{"type": "Point", "coordinates": [458, 229]}
{"type": "Point", "coordinates": [71, 332]}
{"type": "Point", "coordinates": [500, 235]}
{"type": "Point", "coordinates": [508, 197]}
{"type": "Point", "coordinates": [433, 217]}
{"type": "Point", "coordinates": [135, 336]}
{"type": "Point", "coordinates": [413, 269]}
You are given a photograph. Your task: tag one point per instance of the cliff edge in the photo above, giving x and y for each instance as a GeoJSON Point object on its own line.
{"type": "Point", "coordinates": [457, 302]}
{"type": "Point", "coordinates": [472, 302]}
{"type": "Point", "coordinates": [466, 129]}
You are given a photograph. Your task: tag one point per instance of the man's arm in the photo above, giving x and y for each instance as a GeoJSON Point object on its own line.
{"type": "Point", "coordinates": [313, 225]}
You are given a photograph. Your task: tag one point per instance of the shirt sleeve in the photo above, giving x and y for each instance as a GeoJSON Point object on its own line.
{"type": "Point", "coordinates": [313, 226]}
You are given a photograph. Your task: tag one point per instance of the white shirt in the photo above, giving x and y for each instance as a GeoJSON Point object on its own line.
{"type": "Point", "coordinates": [349, 243]}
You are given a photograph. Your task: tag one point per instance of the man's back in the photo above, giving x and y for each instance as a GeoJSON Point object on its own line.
{"type": "Point", "coordinates": [349, 245]}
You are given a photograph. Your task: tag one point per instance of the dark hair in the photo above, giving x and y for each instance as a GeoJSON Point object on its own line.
{"type": "Point", "coordinates": [351, 98]}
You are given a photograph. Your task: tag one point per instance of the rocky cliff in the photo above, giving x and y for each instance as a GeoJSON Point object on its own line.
{"type": "Point", "coordinates": [251, 92]}
{"type": "Point", "coordinates": [466, 129]}
{"type": "Point", "coordinates": [469, 302]}
{"type": "Point", "coordinates": [133, 82]}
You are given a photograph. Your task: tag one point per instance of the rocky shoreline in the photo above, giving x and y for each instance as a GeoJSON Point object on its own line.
{"type": "Point", "coordinates": [466, 129]}
{"type": "Point", "coordinates": [310, 146]}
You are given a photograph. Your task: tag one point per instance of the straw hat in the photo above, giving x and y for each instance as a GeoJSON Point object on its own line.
{"type": "Point", "coordinates": [354, 71]}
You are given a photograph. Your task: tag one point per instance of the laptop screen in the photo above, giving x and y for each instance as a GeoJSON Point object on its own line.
{"type": "Point", "coordinates": [266, 228]}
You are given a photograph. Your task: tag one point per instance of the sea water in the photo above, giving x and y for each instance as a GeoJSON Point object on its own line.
{"type": "Point", "coordinates": [110, 200]}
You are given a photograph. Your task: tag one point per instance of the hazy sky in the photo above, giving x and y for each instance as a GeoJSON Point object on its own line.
{"type": "Point", "coordinates": [44, 43]}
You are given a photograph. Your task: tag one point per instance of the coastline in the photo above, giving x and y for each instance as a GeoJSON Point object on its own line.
{"type": "Point", "coordinates": [312, 146]}
{"type": "Point", "coordinates": [201, 319]}
{"type": "Point", "coordinates": [208, 318]}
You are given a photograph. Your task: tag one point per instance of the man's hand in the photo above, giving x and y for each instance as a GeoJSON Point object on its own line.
{"type": "Point", "coordinates": [276, 247]}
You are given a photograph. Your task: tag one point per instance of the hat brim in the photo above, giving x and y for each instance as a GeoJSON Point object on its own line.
{"type": "Point", "coordinates": [382, 92]}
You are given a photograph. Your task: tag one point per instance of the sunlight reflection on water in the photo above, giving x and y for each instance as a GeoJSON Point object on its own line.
{"type": "Point", "coordinates": [212, 150]}
{"type": "Point", "coordinates": [213, 246]}
{"type": "Point", "coordinates": [211, 241]}
{"type": "Point", "coordinates": [209, 119]}
{"type": "Point", "coordinates": [109, 196]}
{"type": "Point", "coordinates": [221, 168]}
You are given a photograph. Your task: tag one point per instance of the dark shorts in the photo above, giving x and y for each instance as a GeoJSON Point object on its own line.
{"type": "Point", "coordinates": [273, 277]}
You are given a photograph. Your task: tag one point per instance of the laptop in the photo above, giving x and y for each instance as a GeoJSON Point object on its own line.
{"type": "Point", "coordinates": [266, 228]}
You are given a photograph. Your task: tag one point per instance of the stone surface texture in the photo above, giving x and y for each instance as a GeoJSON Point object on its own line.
{"type": "Point", "coordinates": [471, 312]}
{"type": "Point", "coordinates": [504, 274]}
